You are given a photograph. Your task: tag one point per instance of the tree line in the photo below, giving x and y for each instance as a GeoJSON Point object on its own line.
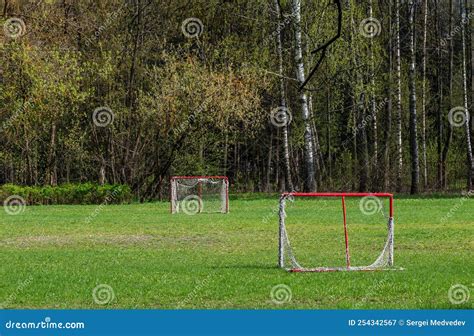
{"type": "Point", "coordinates": [275, 94]}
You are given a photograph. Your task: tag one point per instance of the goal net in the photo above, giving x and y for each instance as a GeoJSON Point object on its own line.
{"type": "Point", "coordinates": [336, 232]}
{"type": "Point", "coordinates": [199, 194]}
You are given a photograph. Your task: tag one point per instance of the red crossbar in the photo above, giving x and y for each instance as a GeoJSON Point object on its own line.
{"type": "Point", "coordinates": [197, 177]}
{"type": "Point", "coordinates": [342, 194]}
{"type": "Point", "coordinates": [337, 194]}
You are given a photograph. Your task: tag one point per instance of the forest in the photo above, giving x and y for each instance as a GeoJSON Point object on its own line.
{"type": "Point", "coordinates": [278, 95]}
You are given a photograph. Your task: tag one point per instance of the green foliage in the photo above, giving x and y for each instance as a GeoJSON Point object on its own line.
{"type": "Point", "coordinates": [81, 55]}
{"type": "Point", "coordinates": [83, 193]}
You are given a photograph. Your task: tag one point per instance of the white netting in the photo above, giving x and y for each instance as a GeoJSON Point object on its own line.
{"type": "Point", "coordinates": [288, 259]}
{"type": "Point", "coordinates": [193, 195]}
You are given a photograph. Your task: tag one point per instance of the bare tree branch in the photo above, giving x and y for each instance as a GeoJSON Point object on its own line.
{"type": "Point", "coordinates": [323, 48]}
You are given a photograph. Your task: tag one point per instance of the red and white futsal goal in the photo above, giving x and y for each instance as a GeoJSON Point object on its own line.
{"type": "Point", "coordinates": [361, 205]}
{"type": "Point", "coordinates": [199, 194]}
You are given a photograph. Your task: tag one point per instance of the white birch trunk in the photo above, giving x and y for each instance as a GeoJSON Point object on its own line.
{"type": "Point", "coordinates": [286, 151]}
{"type": "Point", "coordinates": [470, 162]}
{"type": "Point", "coordinates": [423, 95]}
{"type": "Point", "coordinates": [399, 97]}
{"type": "Point", "coordinates": [309, 181]}
{"type": "Point", "coordinates": [415, 169]}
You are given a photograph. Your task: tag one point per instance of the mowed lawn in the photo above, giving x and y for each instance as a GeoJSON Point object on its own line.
{"type": "Point", "coordinates": [51, 258]}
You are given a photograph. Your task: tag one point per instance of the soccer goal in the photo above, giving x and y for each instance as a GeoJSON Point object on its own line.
{"type": "Point", "coordinates": [199, 194]}
{"type": "Point", "coordinates": [322, 227]}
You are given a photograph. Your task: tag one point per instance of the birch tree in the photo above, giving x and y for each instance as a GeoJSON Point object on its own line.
{"type": "Point", "coordinates": [398, 76]}
{"type": "Point", "coordinates": [470, 162]}
{"type": "Point", "coordinates": [449, 136]}
{"type": "Point", "coordinates": [283, 105]}
{"type": "Point", "coordinates": [309, 180]}
{"type": "Point", "coordinates": [415, 169]}
{"type": "Point", "coordinates": [372, 84]}
{"type": "Point", "coordinates": [373, 110]}
{"type": "Point", "coordinates": [423, 95]}
{"type": "Point", "coordinates": [389, 88]}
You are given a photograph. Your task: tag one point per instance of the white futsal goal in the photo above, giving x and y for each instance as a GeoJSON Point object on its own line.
{"type": "Point", "coordinates": [325, 225]}
{"type": "Point", "coordinates": [199, 194]}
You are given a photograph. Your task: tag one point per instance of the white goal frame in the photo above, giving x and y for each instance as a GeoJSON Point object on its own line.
{"type": "Point", "coordinates": [200, 182]}
{"type": "Point", "coordinates": [286, 256]}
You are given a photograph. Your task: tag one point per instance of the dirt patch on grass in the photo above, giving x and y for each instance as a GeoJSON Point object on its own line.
{"type": "Point", "coordinates": [66, 240]}
{"type": "Point", "coordinates": [103, 239]}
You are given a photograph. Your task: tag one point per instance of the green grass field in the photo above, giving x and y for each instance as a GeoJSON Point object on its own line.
{"type": "Point", "coordinates": [52, 258]}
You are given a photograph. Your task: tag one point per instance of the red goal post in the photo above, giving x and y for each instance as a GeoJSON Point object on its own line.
{"type": "Point", "coordinates": [285, 253]}
{"type": "Point", "coordinates": [198, 194]}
